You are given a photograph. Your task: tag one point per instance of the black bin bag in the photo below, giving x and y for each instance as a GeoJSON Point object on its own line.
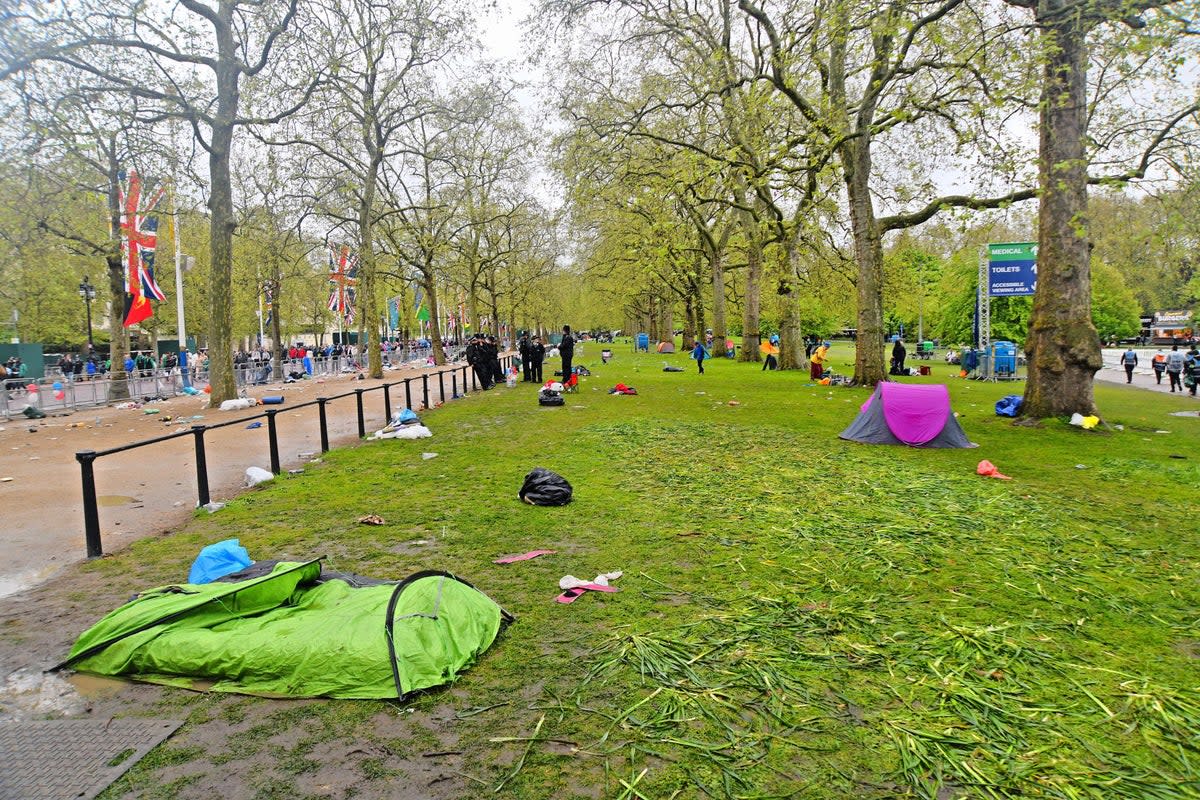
{"type": "Point", "coordinates": [545, 488]}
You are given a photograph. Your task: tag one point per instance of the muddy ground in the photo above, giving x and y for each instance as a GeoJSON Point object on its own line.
{"type": "Point", "coordinates": [45, 602]}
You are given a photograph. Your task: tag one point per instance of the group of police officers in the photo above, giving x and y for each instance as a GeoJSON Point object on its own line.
{"type": "Point", "coordinates": [483, 355]}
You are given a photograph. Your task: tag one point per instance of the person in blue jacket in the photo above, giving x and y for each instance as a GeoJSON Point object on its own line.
{"type": "Point", "coordinates": [699, 353]}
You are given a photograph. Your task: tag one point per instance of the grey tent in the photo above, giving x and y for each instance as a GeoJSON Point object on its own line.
{"type": "Point", "coordinates": [917, 415]}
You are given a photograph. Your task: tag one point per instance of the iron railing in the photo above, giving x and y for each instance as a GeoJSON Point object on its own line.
{"type": "Point", "coordinates": [88, 458]}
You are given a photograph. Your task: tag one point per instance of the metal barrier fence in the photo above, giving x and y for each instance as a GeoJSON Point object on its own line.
{"type": "Point", "coordinates": [88, 458]}
{"type": "Point", "coordinates": [84, 391]}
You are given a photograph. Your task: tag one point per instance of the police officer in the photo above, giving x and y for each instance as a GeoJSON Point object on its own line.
{"type": "Point", "coordinates": [566, 349]}
{"type": "Point", "coordinates": [477, 358]}
{"type": "Point", "coordinates": [523, 350]}
{"type": "Point", "coordinates": [494, 359]}
{"type": "Point", "coordinates": [537, 354]}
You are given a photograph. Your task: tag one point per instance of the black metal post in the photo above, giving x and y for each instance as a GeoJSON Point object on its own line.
{"type": "Point", "coordinates": [464, 370]}
{"type": "Point", "coordinates": [362, 428]}
{"type": "Point", "coordinates": [273, 441]}
{"type": "Point", "coordinates": [201, 467]}
{"type": "Point", "coordinates": [387, 403]}
{"type": "Point", "coordinates": [454, 383]}
{"type": "Point", "coordinates": [321, 401]}
{"type": "Point", "coordinates": [91, 514]}
{"type": "Point", "coordinates": [474, 381]}
{"type": "Point", "coordinates": [425, 389]}
{"type": "Point", "coordinates": [441, 386]}
{"type": "Point", "coordinates": [408, 393]}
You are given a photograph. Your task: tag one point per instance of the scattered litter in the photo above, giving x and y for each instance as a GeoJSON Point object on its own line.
{"type": "Point", "coordinates": [1176, 455]}
{"type": "Point", "coordinates": [273, 400]}
{"type": "Point", "coordinates": [372, 519]}
{"type": "Point", "coordinates": [150, 411]}
{"type": "Point", "coordinates": [238, 403]}
{"type": "Point", "coordinates": [5, 480]}
{"type": "Point", "coordinates": [1081, 466]}
{"type": "Point", "coordinates": [34, 413]}
{"type": "Point", "coordinates": [1087, 423]}
{"type": "Point", "coordinates": [213, 507]}
{"type": "Point", "coordinates": [295, 472]}
{"type": "Point", "coordinates": [577, 590]}
{"type": "Point", "coordinates": [545, 488]}
{"type": "Point", "coordinates": [306, 454]}
{"type": "Point", "coordinates": [177, 503]}
{"type": "Point", "coordinates": [734, 403]}
{"type": "Point", "coordinates": [988, 470]}
{"type": "Point", "coordinates": [512, 559]}
{"type": "Point", "coordinates": [1119, 427]}
{"type": "Point", "coordinates": [126, 406]}
{"type": "Point", "coordinates": [403, 432]}
{"type": "Point", "coordinates": [257, 475]}
{"type": "Point", "coordinates": [1009, 405]}
{"type": "Point", "coordinates": [571, 582]}
{"type": "Point", "coordinates": [427, 456]}
{"type": "Point", "coordinates": [253, 425]}
{"type": "Point", "coordinates": [218, 560]}
{"type": "Point", "coordinates": [1167, 432]}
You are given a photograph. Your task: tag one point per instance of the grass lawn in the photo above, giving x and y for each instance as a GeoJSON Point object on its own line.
{"type": "Point", "coordinates": [799, 616]}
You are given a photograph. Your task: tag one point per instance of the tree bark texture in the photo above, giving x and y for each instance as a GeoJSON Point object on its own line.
{"type": "Point", "coordinates": [751, 303]}
{"type": "Point", "coordinates": [868, 252]}
{"type": "Point", "coordinates": [717, 262]}
{"type": "Point", "coordinates": [1063, 348]}
{"type": "Point", "coordinates": [222, 220]}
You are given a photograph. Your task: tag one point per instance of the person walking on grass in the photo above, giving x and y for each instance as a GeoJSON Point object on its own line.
{"type": "Point", "coordinates": [699, 353]}
{"type": "Point", "coordinates": [1175, 361]}
{"type": "Point", "coordinates": [1129, 361]}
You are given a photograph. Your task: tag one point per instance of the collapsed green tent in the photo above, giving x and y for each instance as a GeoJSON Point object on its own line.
{"type": "Point", "coordinates": [293, 632]}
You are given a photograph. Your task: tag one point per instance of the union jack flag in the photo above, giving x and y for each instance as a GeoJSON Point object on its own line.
{"type": "Point", "coordinates": [139, 237]}
{"type": "Point", "coordinates": [343, 274]}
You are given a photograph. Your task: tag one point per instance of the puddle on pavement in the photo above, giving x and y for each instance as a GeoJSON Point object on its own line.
{"type": "Point", "coordinates": [115, 500]}
{"type": "Point", "coordinates": [95, 686]}
{"type": "Point", "coordinates": [19, 582]}
{"type": "Point", "coordinates": [28, 694]}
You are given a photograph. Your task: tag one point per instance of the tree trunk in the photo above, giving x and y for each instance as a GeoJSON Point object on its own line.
{"type": "Point", "coordinates": [435, 334]}
{"type": "Point", "coordinates": [791, 343]}
{"type": "Point", "coordinates": [222, 221]}
{"type": "Point", "coordinates": [1063, 348]}
{"type": "Point", "coordinates": [868, 251]}
{"type": "Point", "coordinates": [751, 338]}
{"type": "Point", "coordinates": [668, 320]}
{"type": "Point", "coordinates": [719, 326]}
{"type": "Point", "coordinates": [689, 322]}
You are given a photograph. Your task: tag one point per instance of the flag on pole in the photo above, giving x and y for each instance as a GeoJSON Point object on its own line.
{"type": "Point", "coordinates": [139, 238]}
{"type": "Point", "coordinates": [269, 302]}
{"type": "Point", "coordinates": [343, 274]}
{"type": "Point", "coordinates": [423, 314]}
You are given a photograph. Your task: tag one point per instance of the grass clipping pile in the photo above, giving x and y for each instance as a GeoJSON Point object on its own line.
{"type": "Point", "coordinates": [950, 634]}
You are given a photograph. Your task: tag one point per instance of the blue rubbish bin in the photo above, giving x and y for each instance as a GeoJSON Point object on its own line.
{"type": "Point", "coordinates": [1006, 358]}
{"type": "Point", "coordinates": [643, 342]}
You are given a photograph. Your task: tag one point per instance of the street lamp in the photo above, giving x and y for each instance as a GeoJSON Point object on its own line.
{"type": "Point", "coordinates": [88, 293]}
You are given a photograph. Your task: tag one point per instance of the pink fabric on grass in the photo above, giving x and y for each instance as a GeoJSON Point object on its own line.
{"type": "Point", "coordinates": [915, 413]}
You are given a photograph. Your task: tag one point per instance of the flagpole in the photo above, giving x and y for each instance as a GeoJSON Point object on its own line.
{"type": "Point", "coordinates": [260, 318]}
{"type": "Point", "coordinates": [178, 272]}
{"type": "Point", "coordinates": [184, 367]}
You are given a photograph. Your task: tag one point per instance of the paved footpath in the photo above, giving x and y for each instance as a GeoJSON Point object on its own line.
{"type": "Point", "coordinates": [1143, 375]}
{"type": "Point", "coordinates": [153, 489]}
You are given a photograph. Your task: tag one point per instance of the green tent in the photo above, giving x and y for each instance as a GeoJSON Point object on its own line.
{"type": "Point", "coordinates": [295, 633]}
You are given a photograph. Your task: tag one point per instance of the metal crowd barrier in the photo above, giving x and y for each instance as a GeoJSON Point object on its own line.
{"type": "Point", "coordinates": [84, 391]}
{"type": "Point", "coordinates": [87, 458]}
